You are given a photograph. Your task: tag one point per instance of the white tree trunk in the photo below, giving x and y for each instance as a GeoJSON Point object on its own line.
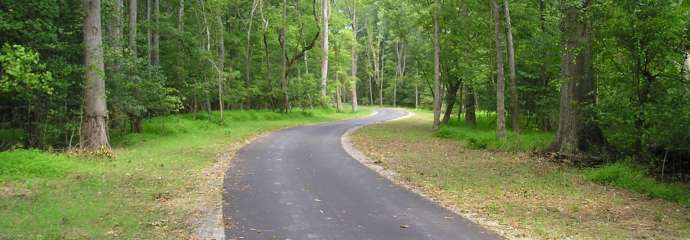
{"type": "Point", "coordinates": [353, 86]}
{"type": "Point", "coordinates": [324, 50]}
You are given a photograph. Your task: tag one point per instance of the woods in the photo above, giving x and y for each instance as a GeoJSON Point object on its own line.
{"type": "Point", "coordinates": [609, 79]}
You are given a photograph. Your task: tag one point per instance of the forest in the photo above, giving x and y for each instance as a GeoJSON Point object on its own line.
{"type": "Point", "coordinates": [606, 81]}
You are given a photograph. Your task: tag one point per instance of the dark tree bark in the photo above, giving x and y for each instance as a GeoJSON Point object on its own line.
{"type": "Point", "coordinates": [470, 106]}
{"type": "Point", "coordinates": [500, 80]}
{"type": "Point", "coordinates": [451, 97]}
{"type": "Point", "coordinates": [577, 130]}
{"type": "Point", "coordinates": [94, 135]}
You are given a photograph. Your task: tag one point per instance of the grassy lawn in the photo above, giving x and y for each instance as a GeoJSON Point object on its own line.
{"type": "Point", "coordinates": [527, 197]}
{"type": "Point", "coordinates": [147, 191]}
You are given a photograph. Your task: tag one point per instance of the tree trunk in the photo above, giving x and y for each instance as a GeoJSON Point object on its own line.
{"type": "Point", "coordinates": [461, 103]}
{"type": "Point", "coordinates": [324, 50]}
{"type": "Point", "coordinates": [283, 79]}
{"type": "Point", "coordinates": [155, 38]}
{"type": "Point", "coordinates": [149, 33]}
{"type": "Point", "coordinates": [221, 64]}
{"type": "Point", "coordinates": [437, 69]}
{"type": "Point", "coordinates": [687, 66]}
{"type": "Point", "coordinates": [248, 59]}
{"type": "Point", "coordinates": [577, 130]}
{"type": "Point", "coordinates": [133, 27]}
{"type": "Point", "coordinates": [116, 25]}
{"type": "Point", "coordinates": [514, 103]}
{"type": "Point", "coordinates": [94, 135]}
{"type": "Point", "coordinates": [500, 79]}
{"type": "Point", "coordinates": [353, 86]}
{"type": "Point", "coordinates": [180, 17]}
{"type": "Point", "coordinates": [382, 53]}
{"type": "Point", "coordinates": [451, 96]}
{"type": "Point", "coordinates": [416, 96]}
{"type": "Point", "coordinates": [470, 107]}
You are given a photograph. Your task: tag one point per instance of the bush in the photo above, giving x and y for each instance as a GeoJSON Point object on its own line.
{"type": "Point", "coordinates": [628, 176]}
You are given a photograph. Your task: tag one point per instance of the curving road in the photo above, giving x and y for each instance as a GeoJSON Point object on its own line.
{"type": "Point", "coordinates": [299, 184]}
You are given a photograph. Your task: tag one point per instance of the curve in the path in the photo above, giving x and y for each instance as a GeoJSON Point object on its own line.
{"type": "Point", "coordinates": [299, 183]}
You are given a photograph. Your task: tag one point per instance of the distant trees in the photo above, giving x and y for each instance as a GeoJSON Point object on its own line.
{"type": "Point", "coordinates": [607, 76]}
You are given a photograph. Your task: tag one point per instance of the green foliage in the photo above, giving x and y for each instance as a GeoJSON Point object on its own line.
{"type": "Point", "coordinates": [483, 136]}
{"type": "Point", "coordinates": [22, 73]}
{"type": "Point", "coordinates": [631, 177]}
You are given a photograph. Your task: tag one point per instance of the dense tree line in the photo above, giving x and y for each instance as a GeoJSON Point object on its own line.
{"type": "Point", "coordinates": [610, 78]}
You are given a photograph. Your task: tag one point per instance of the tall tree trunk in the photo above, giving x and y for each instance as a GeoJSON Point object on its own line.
{"type": "Point", "coordinates": [500, 79]}
{"type": "Point", "coordinates": [687, 66]}
{"type": "Point", "coordinates": [180, 17]}
{"type": "Point", "coordinates": [94, 133]}
{"type": "Point", "coordinates": [116, 25]}
{"type": "Point", "coordinates": [149, 33]}
{"type": "Point", "coordinates": [451, 97]}
{"type": "Point", "coordinates": [132, 46]}
{"type": "Point", "coordinates": [132, 27]}
{"type": "Point", "coordinates": [284, 80]}
{"type": "Point", "coordinates": [416, 96]}
{"type": "Point", "coordinates": [353, 67]}
{"type": "Point", "coordinates": [338, 83]}
{"type": "Point", "coordinates": [437, 69]}
{"type": "Point", "coordinates": [155, 34]}
{"type": "Point", "coordinates": [577, 129]}
{"type": "Point", "coordinates": [470, 106]}
{"type": "Point", "coordinates": [324, 50]}
{"type": "Point", "coordinates": [248, 59]}
{"type": "Point", "coordinates": [514, 103]}
{"type": "Point", "coordinates": [221, 64]}
{"type": "Point", "coordinates": [382, 53]}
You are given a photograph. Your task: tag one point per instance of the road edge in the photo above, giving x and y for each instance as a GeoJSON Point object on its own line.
{"type": "Point", "coordinates": [346, 143]}
{"type": "Point", "coordinates": [208, 222]}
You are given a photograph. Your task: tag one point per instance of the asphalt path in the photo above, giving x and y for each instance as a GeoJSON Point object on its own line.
{"type": "Point", "coordinates": [300, 183]}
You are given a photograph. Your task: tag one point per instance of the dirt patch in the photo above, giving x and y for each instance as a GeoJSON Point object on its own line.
{"type": "Point", "coordinates": [515, 194]}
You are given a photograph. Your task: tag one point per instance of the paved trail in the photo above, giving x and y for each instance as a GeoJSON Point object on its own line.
{"type": "Point", "coordinates": [299, 184]}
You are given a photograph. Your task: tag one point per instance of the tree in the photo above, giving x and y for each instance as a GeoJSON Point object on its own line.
{"type": "Point", "coordinates": [514, 103]}
{"type": "Point", "coordinates": [155, 34]}
{"type": "Point", "coordinates": [577, 130]}
{"type": "Point", "coordinates": [500, 79]}
{"type": "Point", "coordinates": [437, 68]}
{"type": "Point", "coordinates": [132, 27]}
{"type": "Point", "coordinates": [94, 135]}
{"type": "Point", "coordinates": [326, 14]}
{"type": "Point", "coordinates": [353, 87]}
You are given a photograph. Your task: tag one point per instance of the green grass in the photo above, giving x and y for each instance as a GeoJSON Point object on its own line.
{"type": "Point", "coordinates": [57, 196]}
{"type": "Point", "coordinates": [628, 176]}
{"type": "Point", "coordinates": [483, 136]}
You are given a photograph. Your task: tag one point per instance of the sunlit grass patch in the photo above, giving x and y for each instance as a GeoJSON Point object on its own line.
{"type": "Point", "coordinates": [483, 135]}
{"type": "Point", "coordinates": [628, 176]}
